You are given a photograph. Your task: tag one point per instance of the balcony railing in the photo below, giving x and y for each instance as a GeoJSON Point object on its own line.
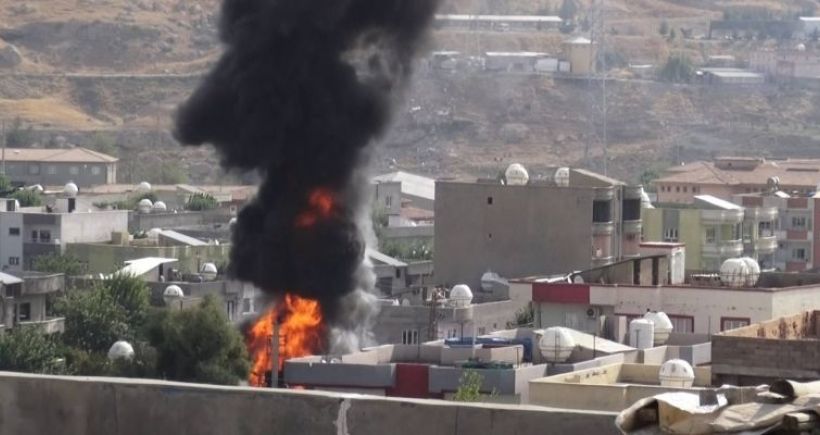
{"type": "Point", "coordinates": [722, 216]}
{"type": "Point", "coordinates": [602, 228]}
{"type": "Point", "coordinates": [766, 244]}
{"type": "Point", "coordinates": [761, 214]}
{"type": "Point", "coordinates": [48, 326]}
{"type": "Point", "coordinates": [723, 248]}
{"type": "Point", "coordinates": [633, 227]}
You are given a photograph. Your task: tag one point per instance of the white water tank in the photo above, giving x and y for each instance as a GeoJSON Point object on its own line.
{"type": "Point", "coordinates": [646, 202]}
{"type": "Point", "coordinates": [70, 190]}
{"type": "Point", "coordinates": [662, 324]}
{"type": "Point", "coordinates": [209, 271]}
{"type": "Point", "coordinates": [676, 373]}
{"type": "Point", "coordinates": [160, 206]}
{"type": "Point", "coordinates": [461, 295]}
{"type": "Point", "coordinates": [753, 271]}
{"type": "Point", "coordinates": [144, 187]}
{"type": "Point", "coordinates": [556, 345]}
{"type": "Point", "coordinates": [145, 205]}
{"type": "Point", "coordinates": [561, 177]}
{"type": "Point", "coordinates": [121, 350]}
{"type": "Point", "coordinates": [734, 272]}
{"type": "Point", "coordinates": [517, 175]}
{"type": "Point", "coordinates": [641, 333]}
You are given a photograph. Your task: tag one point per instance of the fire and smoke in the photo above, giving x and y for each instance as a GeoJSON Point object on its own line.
{"type": "Point", "coordinates": [302, 90]}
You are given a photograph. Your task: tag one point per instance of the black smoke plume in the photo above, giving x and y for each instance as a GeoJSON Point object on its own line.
{"type": "Point", "coordinates": [303, 89]}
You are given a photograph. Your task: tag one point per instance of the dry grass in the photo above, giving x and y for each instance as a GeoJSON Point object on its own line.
{"type": "Point", "coordinates": [48, 111]}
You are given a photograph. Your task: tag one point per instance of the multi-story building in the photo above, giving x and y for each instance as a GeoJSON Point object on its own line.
{"type": "Point", "coordinates": [26, 300]}
{"type": "Point", "coordinates": [56, 167]}
{"type": "Point", "coordinates": [714, 230]}
{"type": "Point", "coordinates": [726, 177]}
{"type": "Point", "coordinates": [581, 220]}
{"type": "Point", "coordinates": [27, 233]}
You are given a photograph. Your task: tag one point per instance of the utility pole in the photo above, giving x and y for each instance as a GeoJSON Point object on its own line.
{"type": "Point", "coordinates": [3, 132]}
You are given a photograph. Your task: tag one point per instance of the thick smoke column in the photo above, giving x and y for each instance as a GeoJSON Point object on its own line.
{"type": "Point", "coordinates": [301, 91]}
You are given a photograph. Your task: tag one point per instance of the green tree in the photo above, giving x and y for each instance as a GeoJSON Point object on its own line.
{"type": "Point", "coordinates": [198, 345]}
{"type": "Point", "coordinates": [18, 136]}
{"type": "Point", "coordinates": [647, 177]}
{"type": "Point", "coordinates": [678, 68]}
{"type": "Point", "coordinates": [93, 321]}
{"type": "Point", "coordinates": [664, 28]}
{"type": "Point", "coordinates": [5, 185]}
{"type": "Point", "coordinates": [131, 294]}
{"type": "Point", "coordinates": [28, 198]}
{"type": "Point", "coordinates": [200, 202]}
{"type": "Point", "coordinates": [27, 349]}
{"type": "Point", "coordinates": [57, 263]}
{"type": "Point", "coordinates": [469, 387]}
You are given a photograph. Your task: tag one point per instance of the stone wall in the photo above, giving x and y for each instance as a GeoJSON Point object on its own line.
{"type": "Point", "coordinates": [36, 405]}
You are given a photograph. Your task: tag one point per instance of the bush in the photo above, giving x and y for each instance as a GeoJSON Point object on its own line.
{"type": "Point", "coordinates": [28, 198]}
{"type": "Point", "coordinates": [27, 349]}
{"type": "Point", "coordinates": [201, 202]}
{"type": "Point", "coordinates": [469, 387]}
{"type": "Point", "coordinates": [93, 321]}
{"type": "Point", "coordinates": [678, 69]}
{"type": "Point", "coordinates": [56, 263]}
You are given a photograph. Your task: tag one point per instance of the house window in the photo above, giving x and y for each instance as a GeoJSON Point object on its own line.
{"type": "Point", "coordinates": [246, 305]}
{"type": "Point", "coordinates": [34, 169]}
{"type": "Point", "coordinates": [14, 231]}
{"type": "Point", "coordinates": [489, 200]}
{"type": "Point", "coordinates": [23, 311]}
{"type": "Point", "coordinates": [683, 323]}
{"type": "Point", "coordinates": [410, 336]}
{"type": "Point", "coordinates": [764, 229]}
{"type": "Point", "coordinates": [670, 235]}
{"type": "Point", "coordinates": [799, 253]}
{"type": "Point", "coordinates": [727, 323]}
{"type": "Point", "coordinates": [695, 189]}
{"type": "Point", "coordinates": [74, 170]}
{"type": "Point", "coordinates": [230, 306]}
{"type": "Point", "coordinates": [601, 211]}
{"type": "Point", "coordinates": [14, 261]}
{"type": "Point", "coordinates": [51, 169]}
{"type": "Point", "coordinates": [711, 235]}
{"type": "Point", "coordinates": [685, 189]}
{"type": "Point", "coordinates": [677, 189]}
{"type": "Point", "coordinates": [34, 236]}
{"type": "Point", "coordinates": [388, 201]}
{"type": "Point", "coordinates": [95, 170]}
{"type": "Point", "coordinates": [45, 236]}
{"type": "Point", "coordinates": [798, 222]}
{"type": "Point", "coordinates": [482, 330]}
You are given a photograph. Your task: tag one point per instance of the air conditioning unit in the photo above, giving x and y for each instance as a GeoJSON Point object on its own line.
{"type": "Point", "coordinates": [593, 312]}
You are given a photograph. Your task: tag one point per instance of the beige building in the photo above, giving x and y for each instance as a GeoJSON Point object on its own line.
{"type": "Point", "coordinates": [728, 176]}
{"type": "Point", "coordinates": [56, 167]}
{"type": "Point", "coordinates": [580, 52]}
{"type": "Point", "coordinates": [541, 227]}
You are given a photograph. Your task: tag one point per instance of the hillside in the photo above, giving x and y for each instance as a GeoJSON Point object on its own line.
{"type": "Point", "coordinates": [111, 72]}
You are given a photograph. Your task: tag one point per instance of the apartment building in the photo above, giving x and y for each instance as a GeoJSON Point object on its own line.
{"type": "Point", "coordinates": [572, 219]}
{"type": "Point", "coordinates": [726, 177]}
{"type": "Point", "coordinates": [56, 167]}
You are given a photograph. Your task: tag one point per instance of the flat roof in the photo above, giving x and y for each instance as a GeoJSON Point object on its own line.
{"type": "Point", "coordinates": [141, 266]}
{"type": "Point", "coordinates": [411, 184]}
{"type": "Point", "coordinates": [57, 155]}
{"type": "Point", "coordinates": [718, 203]}
{"type": "Point", "coordinates": [7, 279]}
{"type": "Point", "coordinates": [501, 18]}
{"type": "Point", "coordinates": [515, 53]}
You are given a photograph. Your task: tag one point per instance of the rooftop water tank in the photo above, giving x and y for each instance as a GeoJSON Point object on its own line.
{"type": "Point", "coordinates": [662, 324]}
{"type": "Point", "coordinates": [160, 206]}
{"type": "Point", "coordinates": [753, 271]}
{"type": "Point", "coordinates": [145, 205]}
{"type": "Point", "coordinates": [517, 175]}
{"type": "Point", "coordinates": [641, 333]}
{"type": "Point", "coordinates": [121, 350]}
{"type": "Point", "coordinates": [736, 272]}
{"type": "Point", "coordinates": [561, 177]}
{"type": "Point", "coordinates": [646, 202]}
{"type": "Point", "coordinates": [144, 187]}
{"type": "Point", "coordinates": [461, 295]}
{"type": "Point", "coordinates": [36, 188]}
{"type": "Point", "coordinates": [70, 190]}
{"type": "Point", "coordinates": [490, 280]}
{"type": "Point", "coordinates": [676, 373]}
{"type": "Point", "coordinates": [173, 291]}
{"type": "Point", "coordinates": [556, 344]}
{"type": "Point", "coordinates": [209, 271]}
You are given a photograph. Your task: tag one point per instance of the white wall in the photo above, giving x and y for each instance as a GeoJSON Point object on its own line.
{"type": "Point", "coordinates": [788, 302]}
{"type": "Point", "coordinates": [11, 246]}
{"type": "Point", "coordinates": [92, 227]}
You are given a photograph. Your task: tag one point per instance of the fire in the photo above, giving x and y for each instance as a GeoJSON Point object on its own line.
{"type": "Point", "coordinates": [300, 334]}
{"type": "Point", "coordinates": [320, 206]}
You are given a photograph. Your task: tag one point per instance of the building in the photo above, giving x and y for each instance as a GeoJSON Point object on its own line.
{"type": "Point", "coordinates": [728, 176]}
{"type": "Point", "coordinates": [27, 233]}
{"type": "Point", "coordinates": [56, 167]}
{"type": "Point", "coordinates": [714, 230]}
{"type": "Point", "coordinates": [782, 347]}
{"type": "Point", "coordinates": [519, 61]}
{"type": "Point", "coordinates": [241, 301]}
{"type": "Point", "coordinates": [174, 196]}
{"type": "Point", "coordinates": [580, 52]}
{"type": "Point", "coordinates": [703, 304]}
{"type": "Point", "coordinates": [398, 279]}
{"type": "Point", "coordinates": [784, 64]}
{"type": "Point", "coordinates": [538, 227]}
{"type": "Point", "coordinates": [499, 23]}
{"type": "Point", "coordinates": [396, 189]}
{"type": "Point", "coordinates": [26, 299]}
{"type": "Point", "coordinates": [811, 26]}
{"type": "Point", "coordinates": [730, 76]}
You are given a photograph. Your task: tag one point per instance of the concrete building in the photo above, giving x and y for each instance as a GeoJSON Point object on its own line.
{"type": "Point", "coordinates": [714, 230]}
{"type": "Point", "coordinates": [704, 304]}
{"type": "Point", "coordinates": [26, 300]}
{"type": "Point", "coordinates": [399, 279]}
{"type": "Point", "coordinates": [241, 301]}
{"type": "Point", "coordinates": [174, 196]}
{"type": "Point", "coordinates": [782, 347]}
{"type": "Point", "coordinates": [539, 227]}
{"type": "Point", "coordinates": [730, 76]}
{"type": "Point", "coordinates": [786, 64]}
{"type": "Point", "coordinates": [728, 176]}
{"type": "Point", "coordinates": [519, 61]}
{"type": "Point", "coordinates": [499, 23]}
{"type": "Point", "coordinates": [395, 189]}
{"type": "Point", "coordinates": [56, 167]}
{"type": "Point", "coordinates": [28, 233]}
{"type": "Point", "coordinates": [580, 52]}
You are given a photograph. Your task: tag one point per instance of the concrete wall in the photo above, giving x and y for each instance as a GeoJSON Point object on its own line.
{"type": "Point", "coordinates": [106, 258]}
{"type": "Point", "coordinates": [144, 222]}
{"type": "Point", "coordinates": [527, 230]}
{"type": "Point", "coordinates": [93, 227]}
{"type": "Point", "coordinates": [11, 246]}
{"type": "Point", "coordinates": [36, 405]}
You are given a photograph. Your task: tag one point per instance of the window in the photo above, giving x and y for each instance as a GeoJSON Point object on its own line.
{"type": "Point", "coordinates": [677, 189]}
{"type": "Point", "coordinates": [711, 235]}
{"type": "Point", "coordinates": [764, 229]}
{"type": "Point", "coordinates": [601, 212]}
{"type": "Point", "coordinates": [695, 189]}
{"type": "Point", "coordinates": [799, 253]}
{"type": "Point", "coordinates": [74, 170]}
{"type": "Point", "coordinates": [34, 236]}
{"type": "Point", "coordinates": [34, 169]}
{"type": "Point", "coordinates": [410, 336]}
{"type": "Point", "coordinates": [727, 323]}
{"type": "Point", "coordinates": [23, 311]}
{"type": "Point", "coordinates": [51, 169]}
{"type": "Point", "coordinates": [388, 201]}
{"type": "Point", "coordinates": [246, 305]}
{"type": "Point", "coordinates": [229, 307]}
{"type": "Point", "coordinates": [670, 235]}
{"type": "Point", "coordinates": [95, 170]}
{"type": "Point", "coordinates": [489, 200]}
{"type": "Point", "coordinates": [14, 261]}
{"type": "Point", "coordinates": [632, 210]}
{"type": "Point", "coordinates": [685, 189]}
{"type": "Point", "coordinates": [45, 236]}
{"type": "Point", "coordinates": [452, 333]}
{"type": "Point", "coordinates": [14, 231]}
{"type": "Point", "coordinates": [482, 330]}
{"type": "Point", "coordinates": [683, 323]}
{"type": "Point", "coordinates": [798, 222]}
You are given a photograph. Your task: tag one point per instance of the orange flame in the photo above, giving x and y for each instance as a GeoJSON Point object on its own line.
{"type": "Point", "coordinates": [300, 333]}
{"type": "Point", "coordinates": [320, 204]}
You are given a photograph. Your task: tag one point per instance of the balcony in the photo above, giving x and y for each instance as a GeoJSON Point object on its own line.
{"type": "Point", "coordinates": [603, 228]}
{"type": "Point", "coordinates": [766, 244]}
{"type": "Point", "coordinates": [761, 214]}
{"type": "Point", "coordinates": [604, 194]}
{"type": "Point", "coordinates": [633, 192]}
{"type": "Point", "coordinates": [633, 227]}
{"type": "Point", "coordinates": [48, 326]}
{"type": "Point", "coordinates": [795, 235]}
{"type": "Point", "coordinates": [723, 248]}
{"type": "Point", "coordinates": [721, 216]}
